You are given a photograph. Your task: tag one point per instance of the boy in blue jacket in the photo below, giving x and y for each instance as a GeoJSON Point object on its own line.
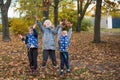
{"type": "Point", "coordinates": [64, 42]}
{"type": "Point", "coordinates": [31, 41]}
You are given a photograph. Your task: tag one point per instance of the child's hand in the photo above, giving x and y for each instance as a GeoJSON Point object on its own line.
{"type": "Point", "coordinates": [34, 26]}
{"type": "Point", "coordinates": [61, 23]}
{"type": "Point", "coordinates": [71, 25]}
{"type": "Point", "coordinates": [20, 36]}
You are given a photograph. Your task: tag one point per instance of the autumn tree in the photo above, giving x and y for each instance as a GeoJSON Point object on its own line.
{"type": "Point", "coordinates": [97, 21]}
{"type": "Point", "coordinates": [46, 6]}
{"type": "Point", "coordinates": [4, 6]}
{"type": "Point", "coordinates": [35, 7]}
{"type": "Point", "coordinates": [56, 3]}
{"type": "Point", "coordinates": [111, 7]}
{"type": "Point", "coordinates": [82, 6]}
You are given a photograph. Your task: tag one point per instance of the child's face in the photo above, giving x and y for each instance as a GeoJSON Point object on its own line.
{"type": "Point", "coordinates": [64, 33]}
{"type": "Point", "coordinates": [47, 23]}
{"type": "Point", "coordinates": [30, 31]}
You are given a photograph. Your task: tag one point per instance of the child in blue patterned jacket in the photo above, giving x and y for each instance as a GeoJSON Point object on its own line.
{"type": "Point", "coordinates": [31, 41]}
{"type": "Point", "coordinates": [64, 42]}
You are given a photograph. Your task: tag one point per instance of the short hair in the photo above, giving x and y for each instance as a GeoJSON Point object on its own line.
{"type": "Point", "coordinates": [30, 27]}
{"type": "Point", "coordinates": [48, 21]}
{"type": "Point", "coordinates": [64, 31]}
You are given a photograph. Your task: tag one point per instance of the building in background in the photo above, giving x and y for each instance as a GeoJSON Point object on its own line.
{"type": "Point", "coordinates": [107, 21]}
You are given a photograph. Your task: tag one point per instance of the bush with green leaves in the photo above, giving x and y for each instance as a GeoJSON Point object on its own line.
{"type": "Point", "coordinates": [71, 15]}
{"type": "Point", "coordinates": [86, 24]}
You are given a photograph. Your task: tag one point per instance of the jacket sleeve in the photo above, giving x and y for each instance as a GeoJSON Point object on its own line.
{"type": "Point", "coordinates": [69, 33]}
{"type": "Point", "coordinates": [56, 30]}
{"type": "Point", "coordinates": [40, 26]}
{"type": "Point", "coordinates": [59, 32]}
{"type": "Point", "coordinates": [35, 33]}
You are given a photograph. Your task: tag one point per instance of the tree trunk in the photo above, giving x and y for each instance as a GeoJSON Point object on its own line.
{"type": "Point", "coordinates": [46, 11]}
{"type": "Point", "coordinates": [97, 22]}
{"type": "Point", "coordinates": [46, 14]}
{"type": "Point", "coordinates": [78, 28]}
{"type": "Point", "coordinates": [5, 25]}
{"type": "Point", "coordinates": [79, 21]}
{"type": "Point", "coordinates": [81, 12]}
{"type": "Point", "coordinates": [56, 2]}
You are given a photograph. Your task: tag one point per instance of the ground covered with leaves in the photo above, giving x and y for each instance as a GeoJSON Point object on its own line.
{"type": "Point", "coordinates": [88, 61]}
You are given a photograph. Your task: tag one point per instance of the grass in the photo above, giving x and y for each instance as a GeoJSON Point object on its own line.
{"type": "Point", "coordinates": [114, 30]}
{"type": "Point", "coordinates": [105, 30]}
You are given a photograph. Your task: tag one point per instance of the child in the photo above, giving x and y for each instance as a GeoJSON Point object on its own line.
{"type": "Point", "coordinates": [32, 44]}
{"type": "Point", "coordinates": [48, 38]}
{"type": "Point", "coordinates": [64, 41]}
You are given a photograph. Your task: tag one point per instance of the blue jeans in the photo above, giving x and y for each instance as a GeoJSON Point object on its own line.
{"type": "Point", "coordinates": [51, 54]}
{"type": "Point", "coordinates": [64, 60]}
{"type": "Point", "coordinates": [32, 56]}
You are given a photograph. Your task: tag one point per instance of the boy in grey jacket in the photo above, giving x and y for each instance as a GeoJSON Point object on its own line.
{"type": "Point", "coordinates": [49, 44]}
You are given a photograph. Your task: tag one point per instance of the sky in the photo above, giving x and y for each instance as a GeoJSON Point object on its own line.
{"type": "Point", "coordinates": [12, 13]}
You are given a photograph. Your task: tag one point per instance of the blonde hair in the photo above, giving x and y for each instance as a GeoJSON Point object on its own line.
{"type": "Point", "coordinates": [47, 21]}
{"type": "Point", "coordinates": [65, 32]}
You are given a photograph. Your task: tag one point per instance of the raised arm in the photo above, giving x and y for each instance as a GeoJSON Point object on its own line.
{"type": "Point", "coordinates": [39, 24]}
{"type": "Point", "coordinates": [34, 31]}
{"type": "Point", "coordinates": [70, 33]}
{"type": "Point", "coordinates": [59, 32]}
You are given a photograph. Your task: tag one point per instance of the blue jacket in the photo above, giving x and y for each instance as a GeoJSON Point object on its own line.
{"type": "Point", "coordinates": [31, 39]}
{"type": "Point", "coordinates": [64, 41]}
{"type": "Point", "coordinates": [48, 36]}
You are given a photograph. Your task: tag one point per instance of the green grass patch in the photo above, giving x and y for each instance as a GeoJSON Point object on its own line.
{"type": "Point", "coordinates": [105, 30]}
{"type": "Point", "coordinates": [114, 30]}
{"type": "Point", "coordinates": [81, 71]}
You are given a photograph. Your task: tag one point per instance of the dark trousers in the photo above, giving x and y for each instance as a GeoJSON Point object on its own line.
{"type": "Point", "coordinates": [51, 54]}
{"type": "Point", "coordinates": [64, 60]}
{"type": "Point", "coordinates": [32, 56]}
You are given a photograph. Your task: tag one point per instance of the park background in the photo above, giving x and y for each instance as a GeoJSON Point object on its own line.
{"type": "Point", "coordinates": [95, 43]}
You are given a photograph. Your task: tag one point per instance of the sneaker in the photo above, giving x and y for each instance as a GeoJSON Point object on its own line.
{"type": "Point", "coordinates": [61, 73]}
{"type": "Point", "coordinates": [68, 70]}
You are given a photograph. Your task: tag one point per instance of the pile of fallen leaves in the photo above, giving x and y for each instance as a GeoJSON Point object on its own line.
{"type": "Point", "coordinates": [88, 61]}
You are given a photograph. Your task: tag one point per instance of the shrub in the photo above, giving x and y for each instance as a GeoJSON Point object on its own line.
{"type": "Point", "coordinates": [18, 26]}
{"type": "Point", "coordinates": [86, 24]}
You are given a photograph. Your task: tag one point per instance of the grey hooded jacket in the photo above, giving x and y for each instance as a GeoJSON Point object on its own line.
{"type": "Point", "coordinates": [48, 36]}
